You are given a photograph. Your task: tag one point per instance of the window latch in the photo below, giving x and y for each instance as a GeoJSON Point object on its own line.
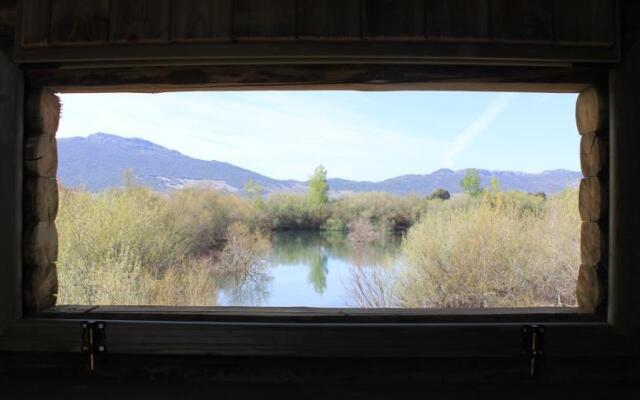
{"type": "Point", "coordinates": [93, 342]}
{"type": "Point", "coordinates": [533, 346]}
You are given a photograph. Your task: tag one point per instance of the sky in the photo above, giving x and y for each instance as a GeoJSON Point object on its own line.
{"type": "Point", "coordinates": [355, 134]}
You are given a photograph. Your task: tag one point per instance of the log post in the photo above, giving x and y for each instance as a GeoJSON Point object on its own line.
{"type": "Point", "coordinates": [40, 200]}
{"type": "Point", "coordinates": [11, 100]}
{"type": "Point", "coordinates": [592, 118]}
{"type": "Point", "coordinates": [624, 275]}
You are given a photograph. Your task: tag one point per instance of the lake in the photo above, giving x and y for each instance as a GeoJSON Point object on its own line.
{"type": "Point", "coordinates": [310, 269]}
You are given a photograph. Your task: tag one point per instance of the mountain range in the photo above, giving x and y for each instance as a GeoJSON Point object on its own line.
{"type": "Point", "coordinates": [98, 162]}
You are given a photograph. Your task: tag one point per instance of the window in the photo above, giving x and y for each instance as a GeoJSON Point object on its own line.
{"type": "Point", "coordinates": [321, 199]}
{"type": "Point", "coordinates": [306, 330]}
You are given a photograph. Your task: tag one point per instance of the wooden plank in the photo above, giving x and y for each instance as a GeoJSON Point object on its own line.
{"type": "Point", "coordinates": [329, 19]}
{"type": "Point", "coordinates": [8, 19]}
{"type": "Point", "coordinates": [586, 21]}
{"type": "Point", "coordinates": [364, 77]}
{"type": "Point", "coordinates": [201, 20]}
{"type": "Point", "coordinates": [35, 19]}
{"type": "Point", "coordinates": [261, 51]}
{"type": "Point", "coordinates": [343, 315]}
{"type": "Point", "coordinates": [523, 20]}
{"type": "Point", "coordinates": [458, 20]}
{"type": "Point", "coordinates": [624, 276]}
{"type": "Point", "coordinates": [139, 21]}
{"type": "Point", "coordinates": [79, 21]}
{"type": "Point", "coordinates": [264, 19]}
{"type": "Point", "coordinates": [320, 340]}
{"type": "Point", "coordinates": [394, 19]}
{"type": "Point", "coordinates": [11, 111]}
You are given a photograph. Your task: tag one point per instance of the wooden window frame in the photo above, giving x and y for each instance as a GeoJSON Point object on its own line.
{"type": "Point", "coordinates": [300, 331]}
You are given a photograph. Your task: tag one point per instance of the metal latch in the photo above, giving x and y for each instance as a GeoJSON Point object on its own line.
{"type": "Point", "coordinates": [93, 342]}
{"type": "Point", "coordinates": [533, 346]}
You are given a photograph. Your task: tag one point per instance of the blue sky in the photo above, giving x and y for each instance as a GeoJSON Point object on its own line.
{"type": "Point", "coordinates": [355, 135]}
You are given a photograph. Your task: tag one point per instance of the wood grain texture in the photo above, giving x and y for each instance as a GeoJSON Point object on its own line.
{"type": "Point", "coordinates": [11, 127]}
{"type": "Point", "coordinates": [523, 20]}
{"type": "Point", "coordinates": [325, 315]}
{"type": "Point", "coordinates": [35, 21]}
{"type": "Point", "coordinates": [139, 21]}
{"type": "Point", "coordinates": [593, 243]}
{"type": "Point", "coordinates": [279, 77]}
{"type": "Point", "coordinates": [592, 110]}
{"type": "Point", "coordinates": [368, 341]}
{"type": "Point", "coordinates": [329, 19]}
{"type": "Point", "coordinates": [40, 201]}
{"type": "Point", "coordinates": [43, 112]}
{"type": "Point", "coordinates": [594, 153]}
{"type": "Point", "coordinates": [458, 20]}
{"type": "Point", "coordinates": [40, 155]}
{"type": "Point", "coordinates": [79, 21]}
{"type": "Point", "coordinates": [593, 199]}
{"type": "Point", "coordinates": [624, 277]}
{"type": "Point", "coordinates": [394, 19]}
{"type": "Point", "coordinates": [40, 244]}
{"type": "Point", "coordinates": [591, 290]}
{"type": "Point", "coordinates": [586, 21]}
{"type": "Point", "coordinates": [40, 285]}
{"type": "Point", "coordinates": [201, 20]}
{"type": "Point", "coordinates": [264, 19]}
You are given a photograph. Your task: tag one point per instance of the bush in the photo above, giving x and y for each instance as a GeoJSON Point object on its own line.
{"type": "Point", "coordinates": [120, 247]}
{"type": "Point", "coordinates": [440, 194]}
{"type": "Point", "coordinates": [489, 256]}
{"type": "Point", "coordinates": [383, 210]}
{"type": "Point", "coordinates": [202, 216]}
{"type": "Point", "coordinates": [243, 252]}
{"type": "Point", "coordinates": [288, 211]}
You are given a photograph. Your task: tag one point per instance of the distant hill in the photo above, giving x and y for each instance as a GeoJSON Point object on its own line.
{"type": "Point", "coordinates": [99, 161]}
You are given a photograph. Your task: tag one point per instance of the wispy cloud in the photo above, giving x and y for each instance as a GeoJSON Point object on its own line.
{"type": "Point", "coordinates": [479, 125]}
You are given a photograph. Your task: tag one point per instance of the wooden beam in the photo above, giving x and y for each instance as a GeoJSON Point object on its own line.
{"type": "Point", "coordinates": [320, 340]}
{"type": "Point", "coordinates": [305, 77]}
{"type": "Point", "coordinates": [624, 279]}
{"type": "Point", "coordinates": [11, 89]}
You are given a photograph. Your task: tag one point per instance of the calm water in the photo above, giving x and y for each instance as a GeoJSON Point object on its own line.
{"type": "Point", "coordinates": [309, 269]}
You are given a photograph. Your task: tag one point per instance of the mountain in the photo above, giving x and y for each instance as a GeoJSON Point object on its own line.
{"type": "Point", "coordinates": [99, 161]}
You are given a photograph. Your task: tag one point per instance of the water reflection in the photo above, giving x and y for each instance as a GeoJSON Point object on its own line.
{"type": "Point", "coordinates": [312, 269]}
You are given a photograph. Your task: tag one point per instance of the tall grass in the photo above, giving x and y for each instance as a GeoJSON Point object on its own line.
{"type": "Point", "coordinates": [134, 246]}
{"type": "Point", "coordinates": [507, 251]}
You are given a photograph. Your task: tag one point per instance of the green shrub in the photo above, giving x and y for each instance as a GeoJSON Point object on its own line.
{"type": "Point", "coordinates": [489, 256]}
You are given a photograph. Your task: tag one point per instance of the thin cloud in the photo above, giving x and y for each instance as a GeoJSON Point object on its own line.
{"type": "Point", "coordinates": [484, 121]}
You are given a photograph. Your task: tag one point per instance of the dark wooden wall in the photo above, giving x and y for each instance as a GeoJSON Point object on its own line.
{"type": "Point", "coordinates": [506, 29]}
{"type": "Point", "coordinates": [582, 30]}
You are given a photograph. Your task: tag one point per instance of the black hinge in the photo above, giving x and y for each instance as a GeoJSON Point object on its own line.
{"type": "Point", "coordinates": [533, 346]}
{"type": "Point", "coordinates": [93, 342]}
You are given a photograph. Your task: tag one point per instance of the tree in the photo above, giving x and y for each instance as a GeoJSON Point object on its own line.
{"type": "Point", "coordinates": [318, 187]}
{"type": "Point", "coordinates": [494, 184]}
{"type": "Point", "coordinates": [129, 178]}
{"type": "Point", "coordinates": [253, 192]}
{"type": "Point", "coordinates": [470, 183]}
{"type": "Point", "coordinates": [440, 194]}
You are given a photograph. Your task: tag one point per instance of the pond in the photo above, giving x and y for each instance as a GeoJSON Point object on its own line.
{"type": "Point", "coordinates": [310, 269]}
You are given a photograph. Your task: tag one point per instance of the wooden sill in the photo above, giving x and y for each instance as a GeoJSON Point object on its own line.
{"type": "Point", "coordinates": [320, 315]}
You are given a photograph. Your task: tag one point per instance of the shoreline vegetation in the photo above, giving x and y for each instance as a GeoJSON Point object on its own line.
{"type": "Point", "coordinates": [482, 248]}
